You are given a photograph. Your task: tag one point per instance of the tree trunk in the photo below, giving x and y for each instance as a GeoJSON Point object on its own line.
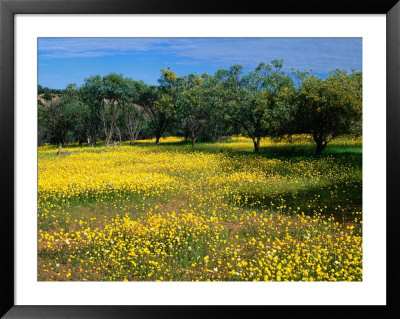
{"type": "Point", "coordinates": [320, 147]}
{"type": "Point", "coordinates": [136, 135]}
{"type": "Point", "coordinates": [256, 147]}
{"type": "Point", "coordinates": [256, 143]}
{"type": "Point", "coordinates": [157, 139]}
{"type": "Point", "coordinates": [108, 138]}
{"type": "Point", "coordinates": [108, 141]}
{"type": "Point", "coordinates": [193, 140]}
{"type": "Point", "coordinates": [219, 139]}
{"type": "Point", "coordinates": [321, 144]}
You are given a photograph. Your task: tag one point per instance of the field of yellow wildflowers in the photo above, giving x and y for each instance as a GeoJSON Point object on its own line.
{"type": "Point", "coordinates": [217, 212]}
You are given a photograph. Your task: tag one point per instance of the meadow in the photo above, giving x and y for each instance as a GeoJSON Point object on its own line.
{"type": "Point", "coordinates": [215, 212]}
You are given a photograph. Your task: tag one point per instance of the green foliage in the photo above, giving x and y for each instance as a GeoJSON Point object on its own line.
{"type": "Point", "coordinates": [266, 102]}
{"type": "Point", "coordinates": [40, 89]}
{"type": "Point", "coordinates": [56, 119]}
{"type": "Point", "coordinates": [261, 101]}
{"type": "Point", "coordinates": [159, 103]}
{"type": "Point", "coordinates": [329, 108]}
{"type": "Point", "coordinates": [47, 96]}
{"type": "Point", "coordinates": [194, 107]}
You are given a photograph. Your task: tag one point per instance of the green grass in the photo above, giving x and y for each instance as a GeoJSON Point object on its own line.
{"type": "Point", "coordinates": [283, 182]}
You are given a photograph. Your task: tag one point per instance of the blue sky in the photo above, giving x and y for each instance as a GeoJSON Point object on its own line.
{"type": "Point", "coordinates": [69, 60]}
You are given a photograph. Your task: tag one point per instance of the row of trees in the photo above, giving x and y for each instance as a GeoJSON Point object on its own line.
{"type": "Point", "coordinates": [47, 93]}
{"type": "Point", "coordinates": [265, 102]}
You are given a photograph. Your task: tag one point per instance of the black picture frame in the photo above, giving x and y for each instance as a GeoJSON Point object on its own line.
{"type": "Point", "coordinates": [8, 8]}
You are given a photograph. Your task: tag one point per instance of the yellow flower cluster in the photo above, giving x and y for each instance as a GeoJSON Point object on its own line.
{"type": "Point", "coordinates": [218, 212]}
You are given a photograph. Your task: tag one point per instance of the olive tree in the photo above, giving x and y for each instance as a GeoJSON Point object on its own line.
{"type": "Point", "coordinates": [132, 114]}
{"type": "Point", "coordinates": [115, 90]}
{"type": "Point", "coordinates": [159, 103]}
{"type": "Point", "coordinates": [329, 108]}
{"type": "Point", "coordinates": [56, 119]}
{"type": "Point", "coordinates": [92, 95]}
{"type": "Point", "coordinates": [258, 107]}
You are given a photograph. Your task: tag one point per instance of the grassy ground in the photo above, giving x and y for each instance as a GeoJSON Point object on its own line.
{"type": "Point", "coordinates": [215, 212]}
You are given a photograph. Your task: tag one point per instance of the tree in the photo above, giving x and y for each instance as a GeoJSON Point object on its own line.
{"type": "Point", "coordinates": [134, 121]}
{"type": "Point", "coordinates": [329, 108]}
{"type": "Point", "coordinates": [115, 90]}
{"type": "Point", "coordinates": [132, 113]}
{"type": "Point", "coordinates": [70, 94]}
{"type": "Point", "coordinates": [222, 89]}
{"type": "Point", "coordinates": [43, 132]}
{"type": "Point", "coordinates": [56, 119]}
{"type": "Point", "coordinates": [40, 89]}
{"type": "Point", "coordinates": [228, 95]}
{"type": "Point", "coordinates": [193, 106]}
{"type": "Point", "coordinates": [92, 95]}
{"type": "Point", "coordinates": [258, 108]}
{"type": "Point", "coordinates": [155, 117]}
{"type": "Point", "coordinates": [76, 111]}
{"type": "Point", "coordinates": [79, 114]}
{"type": "Point", "coordinates": [159, 103]}
{"type": "Point", "coordinates": [47, 96]}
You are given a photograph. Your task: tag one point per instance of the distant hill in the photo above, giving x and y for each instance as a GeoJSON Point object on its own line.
{"type": "Point", "coordinates": [44, 101]}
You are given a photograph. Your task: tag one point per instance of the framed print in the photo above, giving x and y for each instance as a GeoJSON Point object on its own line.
{"type": "Point", "coordinates": [172, 159]}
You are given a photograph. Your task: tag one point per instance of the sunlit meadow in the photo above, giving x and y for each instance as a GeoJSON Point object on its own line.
{"type": "Point", "coordinates": [217, 212]}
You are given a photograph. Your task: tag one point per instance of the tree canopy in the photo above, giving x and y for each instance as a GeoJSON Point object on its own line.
{"type": "Point", "coordinates": [266, 102]}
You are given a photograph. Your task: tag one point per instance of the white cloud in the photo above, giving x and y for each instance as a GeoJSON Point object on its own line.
{"type": "Point", "coordinates": [321, 54]}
